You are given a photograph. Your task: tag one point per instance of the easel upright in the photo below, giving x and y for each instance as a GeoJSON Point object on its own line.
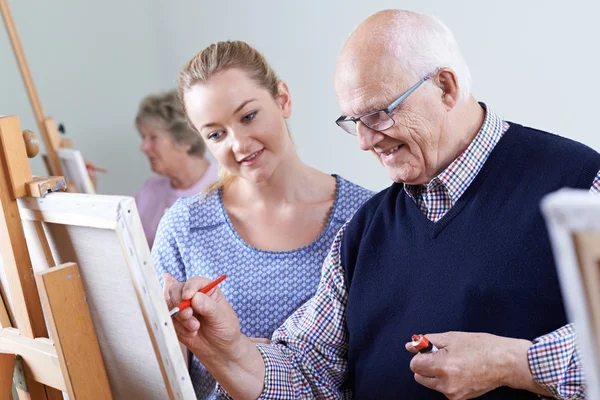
{"type": "Point", "coordinates": [60, 159]}
{"type": "Point", "coordinates": [47, 126]}
{"type": "Point", "coordinates": [44, 367]}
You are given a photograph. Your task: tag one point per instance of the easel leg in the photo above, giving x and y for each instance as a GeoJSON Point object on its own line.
{"type": "Point", "coordinates": [5, 321]}
{"type": "Point", "coordinates": [28, 389]}
{"type": "Point", "coordinates": [70, 321]}
{"type": "Point", "coordinates": [7, 366]}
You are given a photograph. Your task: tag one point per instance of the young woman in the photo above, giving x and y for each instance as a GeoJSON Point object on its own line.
{"type": "Point", "coordinates": [269, 221]}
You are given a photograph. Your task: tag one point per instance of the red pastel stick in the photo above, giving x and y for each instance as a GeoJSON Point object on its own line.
{"type": "Point", "coordinates": [422, 344]}
{"type": "Point", "coordinates": [186, 303]}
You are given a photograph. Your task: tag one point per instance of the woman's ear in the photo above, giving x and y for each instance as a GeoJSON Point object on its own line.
{"type": "Point", "coordinates": [183, 146]}
{"type": "Point", "coordinates": [284, 99]}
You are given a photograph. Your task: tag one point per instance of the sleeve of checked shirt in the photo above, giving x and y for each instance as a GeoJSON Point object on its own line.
{"type": "Point", "coordinates": [308, 354]}
{"type": "Point", "coordinates": [554, 358]}
{"type": "Point", "coordinates": [308, 357]}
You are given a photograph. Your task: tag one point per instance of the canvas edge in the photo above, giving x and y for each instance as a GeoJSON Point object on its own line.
{"type": "Point", "coordinates": [72, 209]}
{"type": "Point", "coordinates": [568, 211]}
{"type": "Point", "coordinates": [67, 154]}
{"type": "Point", "coordinates": [149, 291]}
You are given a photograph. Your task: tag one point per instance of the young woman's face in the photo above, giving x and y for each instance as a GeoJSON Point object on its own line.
{"type": "Point", "coordinates": [242, 124]}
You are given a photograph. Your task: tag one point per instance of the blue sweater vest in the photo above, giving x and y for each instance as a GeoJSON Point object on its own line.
{"type": "Point", "coordinates": [486, 266]}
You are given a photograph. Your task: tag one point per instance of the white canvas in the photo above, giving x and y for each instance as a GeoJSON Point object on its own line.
{"type": "Point", "coordinates": [75, 171]}
{"type": "Point", "coordinates": [571, 212]}
{"type": "Point", "coordinates": [103, 235]}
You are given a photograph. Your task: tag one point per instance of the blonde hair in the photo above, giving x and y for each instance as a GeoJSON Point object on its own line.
{"type": "Point", "coordinates": [167, 107]}
{"type": "Point", "coordinates": [219, 57]}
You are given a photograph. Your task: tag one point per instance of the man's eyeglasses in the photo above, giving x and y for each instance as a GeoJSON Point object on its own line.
{"type": "Point", "coordinates": [378, 120]}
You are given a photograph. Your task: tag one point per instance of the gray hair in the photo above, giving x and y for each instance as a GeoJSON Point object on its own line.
{"type": "Point", "coordinates": [167, 108]}
{"type": "Point", "coordinates": [423, 43]}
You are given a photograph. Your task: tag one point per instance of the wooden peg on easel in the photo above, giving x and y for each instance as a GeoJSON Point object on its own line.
{"type": "Point", "coordinates": [22, 183]}
{"type": "Point", "coordinates": [40, 186]}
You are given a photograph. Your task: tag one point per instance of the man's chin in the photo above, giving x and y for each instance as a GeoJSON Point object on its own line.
{"type": "Point", "coordinates": [401, 175]}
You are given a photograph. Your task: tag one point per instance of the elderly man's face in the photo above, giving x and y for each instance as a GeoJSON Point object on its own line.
{"type": "Point", "coordinates": [409, 150]}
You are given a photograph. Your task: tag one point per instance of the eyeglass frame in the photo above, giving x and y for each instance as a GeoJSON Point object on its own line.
{"type": "Point", "coordinates": [387, 110]}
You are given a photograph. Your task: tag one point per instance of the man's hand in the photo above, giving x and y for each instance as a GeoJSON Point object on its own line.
{"type": "Point", "coordinates": [260, 340]}
{"type": "Point", "coordinates": [211, 330]}
{"type": "Point", "coordinates": [469, 365]}
{"type": "Point", "coordinates": [219, 331]}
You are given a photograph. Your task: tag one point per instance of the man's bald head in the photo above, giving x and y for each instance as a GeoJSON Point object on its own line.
{"type": "Point", "coordinates": [423, 129]}
{"type": "Point", "coordinates": [394, 44]}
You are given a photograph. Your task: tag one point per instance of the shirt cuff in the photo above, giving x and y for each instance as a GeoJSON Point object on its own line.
{"type": "Point", "coordinates": [222, 393]}
{"type": "Point", "coordinates": [555, 365]}
{"type": "Point", "coordinates": [278, 375]}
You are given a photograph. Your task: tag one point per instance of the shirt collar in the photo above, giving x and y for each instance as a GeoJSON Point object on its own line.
{"type": "Point", "coordinates": [457, 177]}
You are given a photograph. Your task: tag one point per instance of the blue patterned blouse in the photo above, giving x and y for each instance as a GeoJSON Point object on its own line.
{"type": "Point", "coordinates": [196, 238]}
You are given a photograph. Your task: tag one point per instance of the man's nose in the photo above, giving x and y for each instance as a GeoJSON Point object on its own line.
{"type": "Point", "coordinates": [367, 137]}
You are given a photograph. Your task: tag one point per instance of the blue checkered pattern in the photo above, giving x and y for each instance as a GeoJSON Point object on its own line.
{"type": "Point", "coordinates": [196, 238]}
{"type": "Point", "coordinates": [309, 358]}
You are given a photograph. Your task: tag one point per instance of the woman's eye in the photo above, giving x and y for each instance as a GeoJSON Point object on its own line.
{"type": "Point", "coordinates": [249, 117]}
{"type": "Point", "coordinates": [215, 135]}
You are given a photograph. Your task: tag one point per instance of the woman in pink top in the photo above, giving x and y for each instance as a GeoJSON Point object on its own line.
{"type": "Point", "coordinates": [176, 155]}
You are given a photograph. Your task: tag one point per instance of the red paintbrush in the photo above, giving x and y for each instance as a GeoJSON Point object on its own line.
{"type": "Point", "coordinates": [186, 303]}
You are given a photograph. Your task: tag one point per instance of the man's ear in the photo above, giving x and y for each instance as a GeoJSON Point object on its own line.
{"type": "Point", "coordinates": [447, 81]}
{"type": "Point", "coordinates": [284, 99]}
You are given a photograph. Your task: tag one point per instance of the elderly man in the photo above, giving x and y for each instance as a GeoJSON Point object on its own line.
{"type": "Point", "coordinates": [456, 247]}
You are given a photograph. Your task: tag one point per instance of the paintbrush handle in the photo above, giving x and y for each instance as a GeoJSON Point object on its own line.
{"type": "Point", "coordinates": [186, 303]}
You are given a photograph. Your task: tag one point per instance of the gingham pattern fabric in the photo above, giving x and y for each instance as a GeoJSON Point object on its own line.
{"type": "Point", "coordinates": [554, 362]}
{"type": "Point", "coordinates": [309, 357]}
{"type": "Point", "coordinates": [596, 186]}
{"type": "Point", "coordinates": [442, 192]}
{"type": "Point", "coordinates": [196, 238]}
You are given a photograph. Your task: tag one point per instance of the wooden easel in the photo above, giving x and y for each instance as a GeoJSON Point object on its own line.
{"type": "Point", "coordinates": [53, 142]}
{"type": "Point", "coordinates": [72, 360]}
{"type": "Point", "coordinates": [47, 126]}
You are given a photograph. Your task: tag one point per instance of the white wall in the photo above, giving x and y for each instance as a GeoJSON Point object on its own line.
{"type": "Point", "coordinates": [91, 62]}
{"type": "Point", "coordinates": [532, 62]}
